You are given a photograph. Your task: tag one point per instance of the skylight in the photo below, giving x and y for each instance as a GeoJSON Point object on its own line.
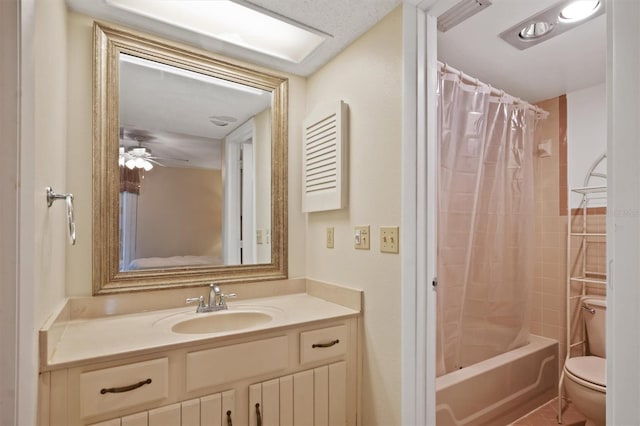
{"type": "Point", "coordinates": [232, 23]}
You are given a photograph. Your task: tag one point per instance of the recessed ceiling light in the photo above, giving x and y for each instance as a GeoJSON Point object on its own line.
{"type": "Point", "coordinates": [535, 30]}
{"type": "Point", "coordinates": [579, 9]}
{"type": "Point", "coordinates": [234, 23]}
{"type": "Point", "coordinates": [552, 22]}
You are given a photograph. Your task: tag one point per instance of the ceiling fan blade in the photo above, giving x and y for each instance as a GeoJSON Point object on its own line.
{"type": "Point", "coordinates": [155, 162]}
{"type": "Point", "coordinates": [169, 159]}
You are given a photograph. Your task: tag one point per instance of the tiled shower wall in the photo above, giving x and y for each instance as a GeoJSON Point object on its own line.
{"type": "Point", "coordinates": [548, 296]}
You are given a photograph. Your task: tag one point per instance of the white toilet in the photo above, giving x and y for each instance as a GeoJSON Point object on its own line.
{"type": "Point", "coordinates": [585, 378]}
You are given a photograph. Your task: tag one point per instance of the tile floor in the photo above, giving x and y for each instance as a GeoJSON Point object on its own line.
{"type": "Point", "coordinates": [547, 415]}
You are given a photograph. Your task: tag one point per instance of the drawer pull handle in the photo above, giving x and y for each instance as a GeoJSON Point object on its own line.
{"type": "Point", "coordinates": [229, 422]}
{"type": "Point", "coordinates": [258, 415]}
{"type": "Point", "coordinates": [325, 345]}
{"type": "Point", "coordinates": [125, 388]}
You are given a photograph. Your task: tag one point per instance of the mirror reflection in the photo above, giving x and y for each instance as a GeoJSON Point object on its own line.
{"type": "Point", "coordinates": [189, 166]}
{"type": "Point", "coordinates": [195, 168]}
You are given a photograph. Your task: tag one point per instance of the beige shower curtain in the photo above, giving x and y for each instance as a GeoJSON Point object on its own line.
{"type": "Point", "coordinates": [486, 240]}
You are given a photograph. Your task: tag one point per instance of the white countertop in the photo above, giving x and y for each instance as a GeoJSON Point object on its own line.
{"type": "Point", "coordinates": [111, 337]}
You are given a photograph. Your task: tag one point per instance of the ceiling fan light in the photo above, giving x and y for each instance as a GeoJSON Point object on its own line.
{"type": "Point", "coordinates": [139, 162]}
{"type": "Point", "coordinates": [130, 163]}
{"type": "Point", "coordinates": [121, 161]}
{"type": "Point", "coordinates": [147, 166]}
{"type": "Point", "coordinates": [139, 151]}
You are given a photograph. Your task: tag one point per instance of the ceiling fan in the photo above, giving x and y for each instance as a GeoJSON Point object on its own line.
{"type": "Point", "coordinates": [139, 156]}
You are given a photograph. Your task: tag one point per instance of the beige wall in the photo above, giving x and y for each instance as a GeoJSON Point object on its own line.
{"type": "Point", "coordinates": [44, 238]}
{"type": "Point", "coordinates": [51, 237]}
{"type": "Point", "coordinates": [79, 150]}
{"type": "Point", "coordinates": [368, 77]}
{"type": "Point", "coordinates": [79, 154]}
{"type": "Point", "coordinates": [180, 213]}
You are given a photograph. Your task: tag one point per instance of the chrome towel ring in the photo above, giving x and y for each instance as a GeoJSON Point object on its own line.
{"type": "Point", "coordinates": [53, 196]}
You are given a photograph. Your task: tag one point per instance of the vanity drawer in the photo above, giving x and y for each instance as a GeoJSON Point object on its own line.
{"type": "Point", "coordinates": [324, 343]}
{"type": "Point", "coordinates": [116, 388]}
{"type": "Point", "coordinates": [235, 362]}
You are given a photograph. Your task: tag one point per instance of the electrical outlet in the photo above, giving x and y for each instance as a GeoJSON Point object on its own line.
{"type": "Point", "coordinates": [389, 242]}
{"type": "Point", "coordinates": [330, 237]}
{"type": "Point", "coordinates": [361, 238]}
{"type": "Point", "coordinates": [258, 236]}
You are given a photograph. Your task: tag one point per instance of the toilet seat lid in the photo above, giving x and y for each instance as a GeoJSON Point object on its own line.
{"type": "Point", "coordinates": [589, 368]}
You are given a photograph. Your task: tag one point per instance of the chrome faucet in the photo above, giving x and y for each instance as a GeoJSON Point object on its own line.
{"type": "Point", "coordinates": [217, 300]}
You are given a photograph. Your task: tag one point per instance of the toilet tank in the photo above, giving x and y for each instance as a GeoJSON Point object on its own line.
{"type": "Point", "coordinates": [596, 324]}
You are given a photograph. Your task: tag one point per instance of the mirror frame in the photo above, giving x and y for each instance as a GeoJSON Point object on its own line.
{"type": "Point", "coordinates": [109, 41]}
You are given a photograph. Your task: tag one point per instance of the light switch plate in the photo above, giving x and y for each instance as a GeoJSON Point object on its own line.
{"type": "Point", "coordinates": [389, 242]}
{"type": "Point", "coordinates": [330, 236]}
{"type": "Point", "coordinates": [361, 238]}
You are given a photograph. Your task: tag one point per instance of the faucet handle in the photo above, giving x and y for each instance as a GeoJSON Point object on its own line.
{"type": "Point", "coordinates": [226, 296]}
{"type": "Point", "coordinates": [200, 301]}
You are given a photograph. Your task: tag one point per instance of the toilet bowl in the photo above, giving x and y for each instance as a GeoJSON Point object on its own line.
{"type": "Point", "coordinates": [585, 385]}
{"type": "Point", "coordinates": [585, 376]}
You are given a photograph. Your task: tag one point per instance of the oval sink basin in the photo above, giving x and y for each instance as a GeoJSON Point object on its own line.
{"type": "Point", "coordinates": [219, 322]}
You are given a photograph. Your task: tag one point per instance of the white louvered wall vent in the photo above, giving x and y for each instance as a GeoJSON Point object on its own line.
{"type": "Point", "coordinates": [324, 158]}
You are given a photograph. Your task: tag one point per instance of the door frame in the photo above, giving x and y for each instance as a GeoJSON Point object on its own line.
{"type": "Point", "coordinates": [19, 366]}
{"type": "Point", "coordinates": [239, 172]}
{"type": "Point", "coordinates": [10, 193]}
{"type": "Point", "coordinates": [419, 186]}
{"type": "Point", "coordinates": [623, 211]}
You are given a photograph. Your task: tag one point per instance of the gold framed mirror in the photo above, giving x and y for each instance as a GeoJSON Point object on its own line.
{"type": "Point", "coordinates": [189, 167]}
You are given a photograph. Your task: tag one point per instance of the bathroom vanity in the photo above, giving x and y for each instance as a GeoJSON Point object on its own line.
{"type": "Point", "coordinates": [288, 359]}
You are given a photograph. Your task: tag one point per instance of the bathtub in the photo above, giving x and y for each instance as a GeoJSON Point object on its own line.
{"type": "Point", "coordinates": [501, 389]}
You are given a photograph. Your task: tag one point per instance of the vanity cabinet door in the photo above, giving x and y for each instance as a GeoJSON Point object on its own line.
{"type": "Point", "coordinates": [319, 398]}
{"type": "Point", "coordinates": [165, 416]}
{"type": "Point", "coordinates": [303, 398]}
{"type": "Point", "coordinates": [218, 409]}
{"type": "Point", "coordinates": [212, 410]}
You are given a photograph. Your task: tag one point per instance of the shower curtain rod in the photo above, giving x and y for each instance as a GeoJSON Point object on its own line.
{"type": "Point", "coordinates": [496, 92]}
